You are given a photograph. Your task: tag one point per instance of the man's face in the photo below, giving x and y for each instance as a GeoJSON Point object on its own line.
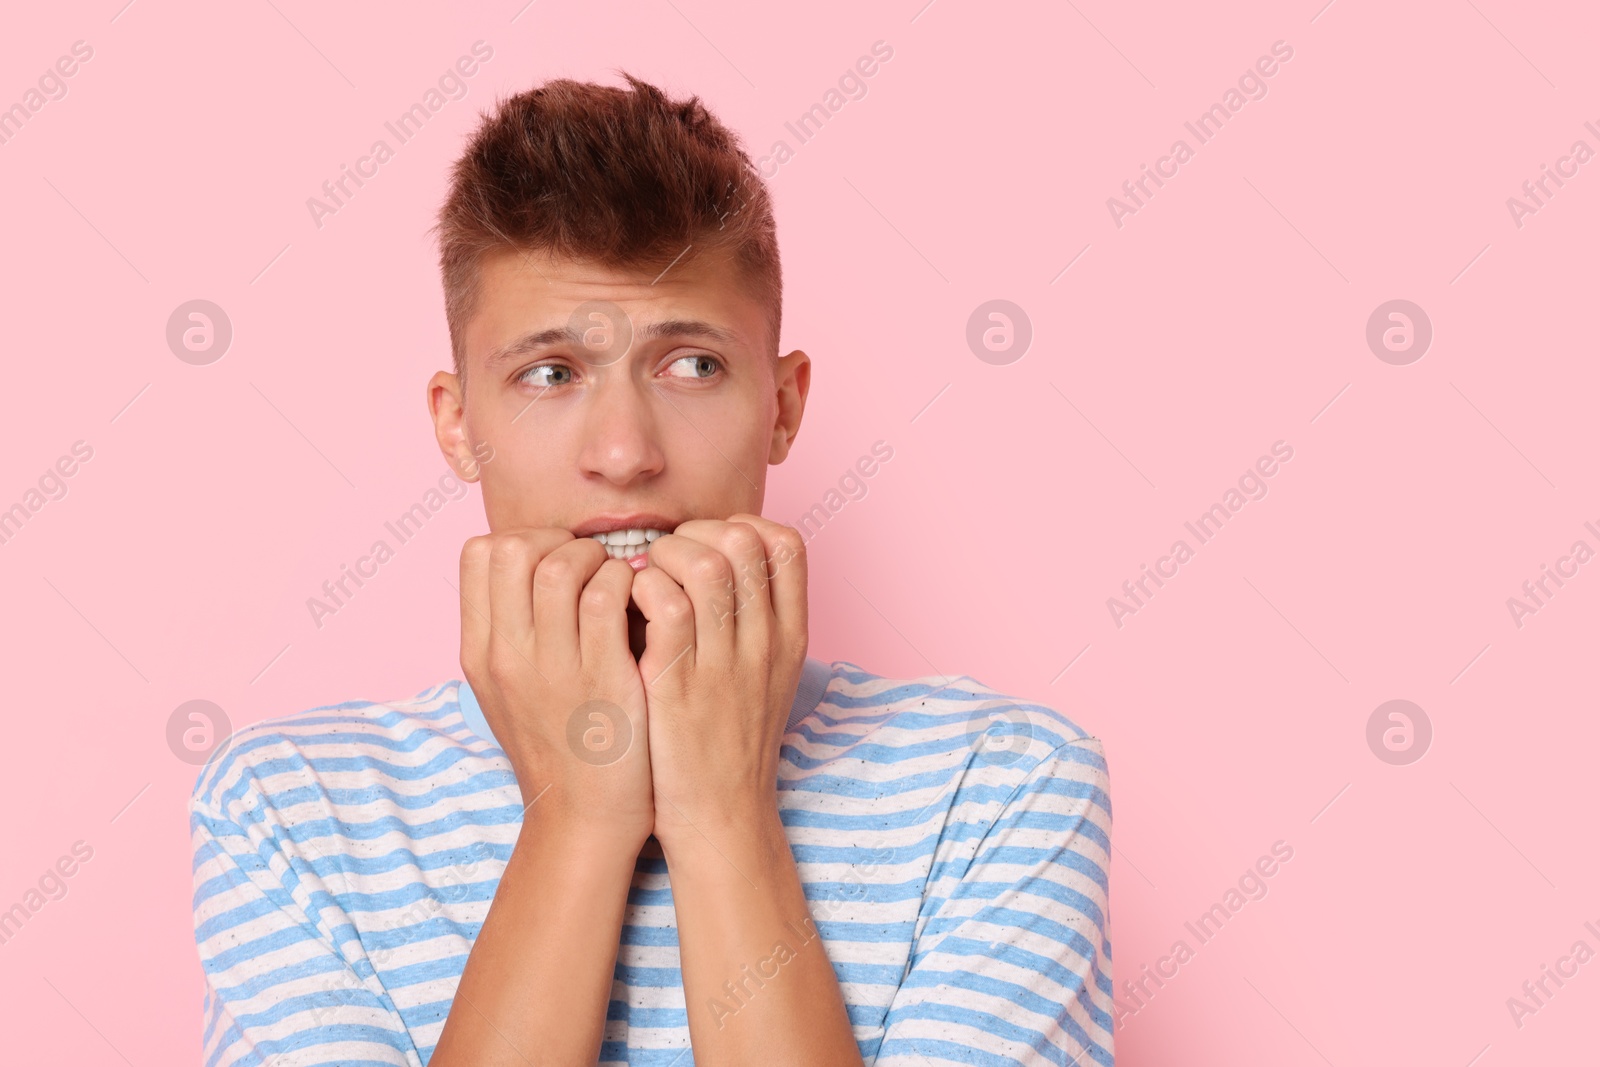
{"type": "Point", "coordinates": [596, 396]}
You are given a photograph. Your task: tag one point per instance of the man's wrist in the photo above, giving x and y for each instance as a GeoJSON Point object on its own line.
{"type": "Point", "coordinates": [571, 843]}
{"type": "Point", "coordinates": [750, 838]}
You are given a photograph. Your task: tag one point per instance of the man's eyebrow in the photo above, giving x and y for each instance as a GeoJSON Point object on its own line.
{"type": "Point", "coordinates": [532, 342]}
{"type": "Point", "coordinates": [687, 328]}
{"type": "Point", "coordinates": [667, 328]}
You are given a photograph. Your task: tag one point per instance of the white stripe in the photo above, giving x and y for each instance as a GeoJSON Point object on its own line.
{"type": "Point", "coordinates": [881, 838]}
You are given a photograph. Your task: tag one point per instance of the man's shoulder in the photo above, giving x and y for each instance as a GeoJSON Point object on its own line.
{"type": "Point", "coordinates": [396, 739]}
{"type": "Point", "coordinates": [943, 717]}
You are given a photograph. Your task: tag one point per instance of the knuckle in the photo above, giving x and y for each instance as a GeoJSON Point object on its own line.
{"type": "Point", "coordinates": [743, 538]}
{"type": "Point", "coordinates": [555, 571]}
{"type": "Point", "coordinates": [598, 598]}
{"type": "Point", "coordinates": [509, 551]}
{"type": "Point", "coordinates": [790, 542]}
{"type": "Point", "coordinates": [712, 569]}
{"type": "Point", "coordinates": [677, 611]}
{"type": "Point", "coordinates": [476, 549]}
{"type": "Point", "coordinates": [788, 548]}
{"type": "Point", "coordinates": [502, 668]}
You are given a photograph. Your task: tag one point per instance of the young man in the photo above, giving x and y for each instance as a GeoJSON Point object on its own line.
{"type": "Point", "coordinates": [646, 822]}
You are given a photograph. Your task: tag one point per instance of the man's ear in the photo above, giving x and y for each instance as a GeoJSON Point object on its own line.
{"type": "Point", "coordinates": [446, 405]}
{"type": "Point", "coordinates": [792, 380]}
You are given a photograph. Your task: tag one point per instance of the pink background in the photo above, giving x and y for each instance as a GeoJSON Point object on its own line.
{"type": "Point", "coordinates": [1224, 316]}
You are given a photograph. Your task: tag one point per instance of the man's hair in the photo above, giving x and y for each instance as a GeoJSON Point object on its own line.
{"type": "Point", "coordinates": [624, 177]}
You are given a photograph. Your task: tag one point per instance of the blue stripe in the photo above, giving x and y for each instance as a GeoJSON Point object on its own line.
{"type": "Point", "coordinates": [344, 860]}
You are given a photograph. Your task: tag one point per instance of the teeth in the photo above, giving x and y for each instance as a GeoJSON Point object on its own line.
{"type": "Point", "coordinates": [625, 544]}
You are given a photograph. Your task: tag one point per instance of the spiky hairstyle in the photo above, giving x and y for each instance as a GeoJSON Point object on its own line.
{"type": "Point", "coordinates": [623, 177]}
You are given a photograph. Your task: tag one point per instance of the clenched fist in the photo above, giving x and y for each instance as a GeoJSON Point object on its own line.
{"type": "Point", "coordinates": [544, 645]}
{"type": "Point", "coordinates": [725, 642]}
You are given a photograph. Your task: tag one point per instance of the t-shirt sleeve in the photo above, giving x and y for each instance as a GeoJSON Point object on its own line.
{"type": "Point", "coordinates": [1012, 964]}
{"type": "Point", "coordinates": [277, 990]}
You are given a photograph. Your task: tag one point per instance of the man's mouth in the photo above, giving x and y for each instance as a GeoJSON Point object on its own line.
{"type": "Point", "coordinates": [627, 536]}
{"type": "Point", "coordinates": [631, 544]}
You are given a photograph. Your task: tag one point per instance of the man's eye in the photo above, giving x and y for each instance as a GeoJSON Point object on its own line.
{"type": "Point", "coordinates": [696, 366]}
{"type": "Point", "coordinates": [531, 376]}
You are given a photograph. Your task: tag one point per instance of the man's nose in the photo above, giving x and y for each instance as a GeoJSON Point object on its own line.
{"type": "Point", "coordinates": [619, 433]}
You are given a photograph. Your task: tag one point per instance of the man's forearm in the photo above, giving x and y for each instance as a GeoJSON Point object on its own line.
{"type": "Point", "coordinates": [536, 985]}
{"type": "Point", "coordinates": [757, 984]}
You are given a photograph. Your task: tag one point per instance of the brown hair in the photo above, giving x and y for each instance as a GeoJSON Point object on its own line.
{"type": "Point", "coordinates": [624, 177]}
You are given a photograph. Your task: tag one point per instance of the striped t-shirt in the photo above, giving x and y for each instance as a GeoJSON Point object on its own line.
{"type": "Point", "coordinates": [953, 842]}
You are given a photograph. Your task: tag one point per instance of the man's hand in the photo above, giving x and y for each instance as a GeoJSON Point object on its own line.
{"type": "Point", "coordinates": [724, 645]}
{"type": "Point", "coordinates": [544, 644]}
{"type": "Point", "coordinates": [725, 642]}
